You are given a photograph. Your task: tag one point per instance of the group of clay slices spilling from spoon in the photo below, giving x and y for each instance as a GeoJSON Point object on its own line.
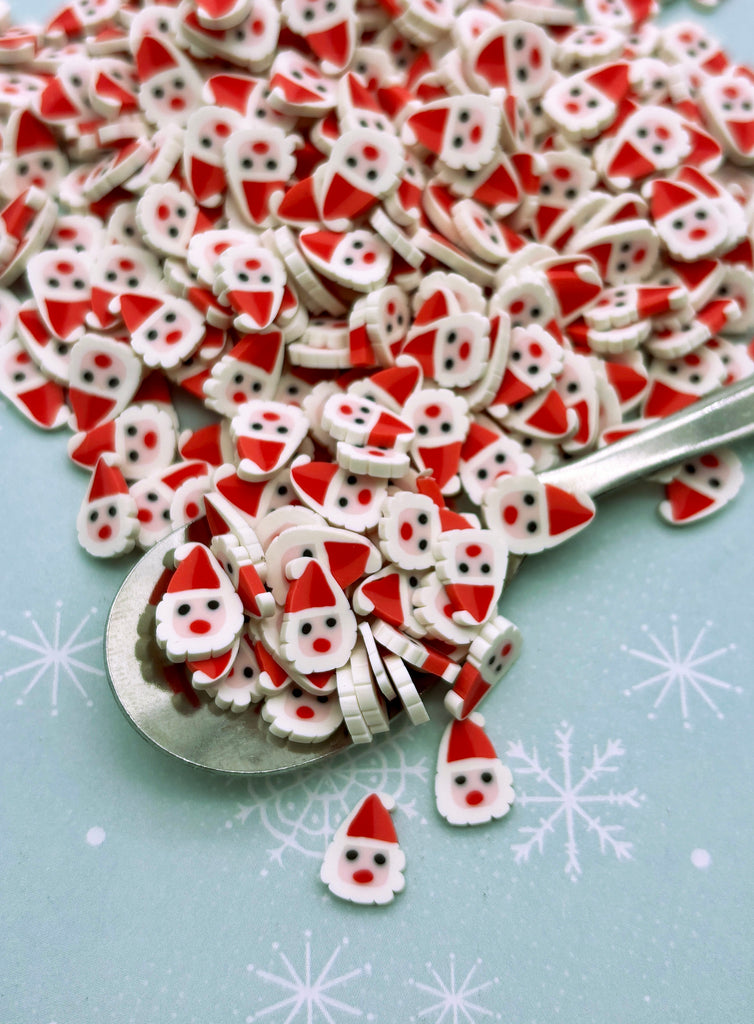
{"type": "Point", "coordinates": [408, 255]}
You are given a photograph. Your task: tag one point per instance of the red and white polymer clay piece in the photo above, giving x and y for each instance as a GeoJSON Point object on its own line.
{"type": "Point", "coordinates": [404, 254]}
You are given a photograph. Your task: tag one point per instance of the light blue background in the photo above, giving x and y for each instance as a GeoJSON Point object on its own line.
{"type": "Point", "coordinates": [198, 899]}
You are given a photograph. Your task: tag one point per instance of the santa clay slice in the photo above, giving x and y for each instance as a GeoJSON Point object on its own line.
{"type": "Point", "coordinates": [318, 630]}
{"type": "Point", "coordinates": [200, 615]}
{"type": "Point", "coordinates": [472, 785]}
{"type": "Point", "coordinates": [533, 516]}
{"type": "Point", "coordinates": [364, 863]}
{"type": "Point", "coordinates": [107, 522]}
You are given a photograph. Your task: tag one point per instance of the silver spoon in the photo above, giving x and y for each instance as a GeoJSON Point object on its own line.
{"type": "Point", "coordinates": [241, 744]}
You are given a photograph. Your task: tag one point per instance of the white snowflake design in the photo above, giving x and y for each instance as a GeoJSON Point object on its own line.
{"type": "Point", "coordinates": [570, 802]}
{"type": "Point", "coordinates": [454, 1002]}
{"type": "Point", "coordinates": [301, 811]}
{"type": "Point", "coordinates": [307, 994]}
{"type": "Point", "coordinates": [684, 671]}
{"type": "Point", "coordinates": [54, 656]}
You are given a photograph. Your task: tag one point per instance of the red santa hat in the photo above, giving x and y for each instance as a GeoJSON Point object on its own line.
{"type": "Point", "coordinates": [372, 820]}
{"type": "Point", "coordinates": [314, 479]}
{"type": "Point", "coordinates": [45, 404]}
{"type": "Point", "coordinates": [491, 62]}
{"type": "Point", "coordinates": [478, 439]}
{"type": "Point", "coordinates": [629, 163]}
{"type": "Point", "coordinates": [468, 739]}
{"type": "Point", "coordinates": [135, 308]}
{"type": "Point", "coordinates": [152, 57]}
{"type": "Point", "coordinates": [263, 452]}
{"type": "Point", "coordinates": [685, 502]}
{"type": "Point", "coordinates": [396, 384]}
{"type": "Point", "coordinates": [332, 44]}
{"type": "Point", "coordinates": [107, 481]}
{"type": "Point", "coordinates": [611, 80]}
{"type": "Point", "coordinates": [428, 126]}
{"type": "Point", "coordinates": [229, 90]}
{"type": "Point", "coordinates": [32, 136]}
{"type": "Point", "coordinates": [565, 511]}
{"type": "Point", "coordinates": [299, 204]}
{"type": "Point", "coordinates": [195, 571]}
{"type": "Point", "coordinates": [670, 196]}
{"type": "Point", "coordinates": [86, 447]}
{"type": "Point", "coordinates": [321, 244]}
{"type": "Point", "coordinates": [311, 590]}
{"type": "Point", "coordinates": [435, 307]}
{"type": "Point", "coordinates": [259, 350]}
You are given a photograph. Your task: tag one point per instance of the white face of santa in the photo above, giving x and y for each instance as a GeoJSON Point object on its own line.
{"type": "Point", "coordinates": [473, 791]}
{"type": "Point", "coordinates": [199, 624]}
{"type": "Point", "coordinates": [363, 870]}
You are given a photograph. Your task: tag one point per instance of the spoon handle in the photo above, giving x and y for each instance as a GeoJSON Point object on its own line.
{"type": "Point", "coordinates": [722, 417]}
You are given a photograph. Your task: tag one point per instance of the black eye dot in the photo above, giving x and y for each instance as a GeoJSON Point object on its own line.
{"type": "Point", "coordinates": [306, 628]}
{"type": "Point", "coordinates": [184, 609]}
{"type": "Point", "coordinates": [422, 545]}
{"type": "Point", "coordinates": [323, 699]}
{"type": "Point", "coordinates": [529, 499]}
{"type": "Point", "coordinates": [352, 480]}
{"type": "Point", "coordinates": [133, 282]}
{"type": "Point", "coordinates": [482, 474]}
{"type": "Point", "coordinates": [342, 502]}
{"type": "Point", "coordinates": [463, 567]}
{"type": "Point", "coordinates": [307, 553]}
{"type": "Point", "coordinates": [531, 527]}
{"type": "Point", "coordinates": [152, 335]}
{"type": "Point", "coordinates": [422, 519]}
{"type": "Point", "coordinates": [380, 859]}
{"type": "Point", "coordinates": [485, 568]}
{"type": "Point", "coordinates": [713, 481]}
{"type": "Point", "coordinates": [113, 382]}
{"type": "Point", "coordinates": [111, 276]}
{"type": "Point", "coordinates": [642, 133]}
{"type": "Point", "coordinates": [93, 517]}
{"type": "Point", "coordinates": [170, 318]}
{"type": "Point", "coordinates": [422, 429]}
{"type": "Point", "coordinates": [248, 672]}
{"type": "Point", "coordinates": [677, 225]}
{"type": "Point", "coordinates": [352, 854]}
{"type": "Point", "coordinates": [457, 142]}
{"type": "Point", "coordinates": [446, 427]}
{"type": "Point", "coordinates": [487, 777]}
{"type": "Point", "coordinates": [331, 623]}
{"type": "Point", "coordinates": [413, 581]}
{"type": "Point", "coordinates": [213, 605]}
{"type": "Point", "coordinates": [460, 780]}
{"type": "Point", "coordinates": [695, 378]}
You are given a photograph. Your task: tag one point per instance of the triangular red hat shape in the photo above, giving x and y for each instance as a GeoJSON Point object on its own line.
{"type": "Point", "coordinates": [384, 594]}
{"type": "Point", "coordinates": [44, 403]}
{"type": "Point", "coordinates": [263, 452]}
{"type": "Point", "coordinates": [66, 21]}
{"type": "Point", "coordinates": [257, 195]}
{"type": "Point", "coordinates": [207, 180]}
{"type": "Point", "coordinates": [450, 520]}
{"type": "Point", "coordinates": [499, 187]}
{"type": "Point", "coordinates": [477, 439]}
{"type": "Point", "coordinates": [260, 350]}
{"type": "Point", "coordinates": [321, 243]}
{"type": "Point", "coordinates": [65, 317]}
{"type": "Point", "coordinates": [360, 96]}
{"type": "Point", "coordinates": [195, 572]}
{"type": "Point", "coordinates": [491, 63]}
{"type": "Point", "coordinates": [152, 57]}
{"type": "Point", "coordinates": [106, 481]}
{"type": "Point", "coordinates": [551, 416]}
{"type": "Point", "coordinates": [612, 80]}
{"type": "Point", "coordinates": [474, 598]}
{"type": "Point", "coordinates": [565, 511]}
{"type": "Point", "coordinates": [33, 136]}
{"type": "Point", "coordinates": [183, 471]}
{"type": "Point", "coordinates": [347, 560]}
{"type": "Point", "coordinates": [232, 91]}
{"type": "Point", "coordinates": [311, 590]}
{"type": "Point", "coordinates": [434, 308]}
{"type": "Point", "coordinates": [333, 45]}
{"type": "Point", "coordinates": [628, 162]}
{"type": "Point", "coordinates": [54, 104]}
{"type": "Point", "coordinates": [299, 203]}
{"type": "Point", "coordinates": [663, 400]}
{"type": "Point", "coordinates": [468, 739]}
{"type": "Point", "coordinates": [442, 461]}
{"type": "Point", "coordinates": [213, 668]}
{"type": "Point", "coordinates": [512, 389]}
{"type": "Point", "coordinates": [314, 479]}
{"type": "Point", "coordinates": [372, 821]}
{"type": "Point", "coordinates": [627, 381]}
{"type": "Point", "coordinates": [685, 502]}
{"type": "Point", "coordinates": [93, 444]}
{"type": "Point", "coordinates": [669, 196]}
{"type": "Point", "coordinates": [154, 388]}
{"type": "Point", "coordinates": [135, 309]}
{"type": "Point", "coordinates": [258, 305]}
{"type": "Point", "coordinates": [743, 134]}
{"type": "Point", "coordinates": [429, 126]}
{"type": "Point", "coordinates": [343, 200]}
{"type": "Point", "coordinates": [89, 409]}
{"type": "Point", "coordinates": [244, 494]}
{"type": "Point", "coordinates": [206, 444]}
{"type": "Point", "coordinates": [399, 382]}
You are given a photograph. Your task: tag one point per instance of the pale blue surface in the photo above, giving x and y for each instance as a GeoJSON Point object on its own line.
{"type": "Point", "coordinates": [204, 891]}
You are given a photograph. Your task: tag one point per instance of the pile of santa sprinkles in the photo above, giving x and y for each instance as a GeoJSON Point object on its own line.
{"type": "Point", "coordinates": [407, 252]}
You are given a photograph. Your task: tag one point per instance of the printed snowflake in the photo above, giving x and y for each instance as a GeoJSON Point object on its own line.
{"type": "Point", "coordinates": [684, 670]}
{"type": "Point", "coordinates": [54, 657]}
{"type": "Point", "coordinates": [454, 1005]}
{"type": "Point", "coordinates": [308, 994]}
{"type": "Point", "coordinates": [570, 802]}
{"type": "Point", "coordinates": [301, 811]}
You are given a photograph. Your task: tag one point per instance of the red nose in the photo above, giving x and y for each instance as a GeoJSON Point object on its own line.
{"type": "Point", "coordinates": [474, 797]}
{"type": "Point", "coordinates": [304, 712]}
{"type": "Point", "coordinates": [363, 876]}
{"type": "Point", "coordinates": [199, 626]}
{"type": "Point", "coordinates": [105, 532]}
{"type": "Point", "coordinates": [321, 645]}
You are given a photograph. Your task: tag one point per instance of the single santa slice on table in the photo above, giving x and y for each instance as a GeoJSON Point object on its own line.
{"type": "Point", "coordinates": [472, 785]}
{"type": "Point", "coordinates": [364, 863]}
{"type": "Point", "coordinates": [107, 523]}
{"type": "Point", "coordinates": [702, 486]}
